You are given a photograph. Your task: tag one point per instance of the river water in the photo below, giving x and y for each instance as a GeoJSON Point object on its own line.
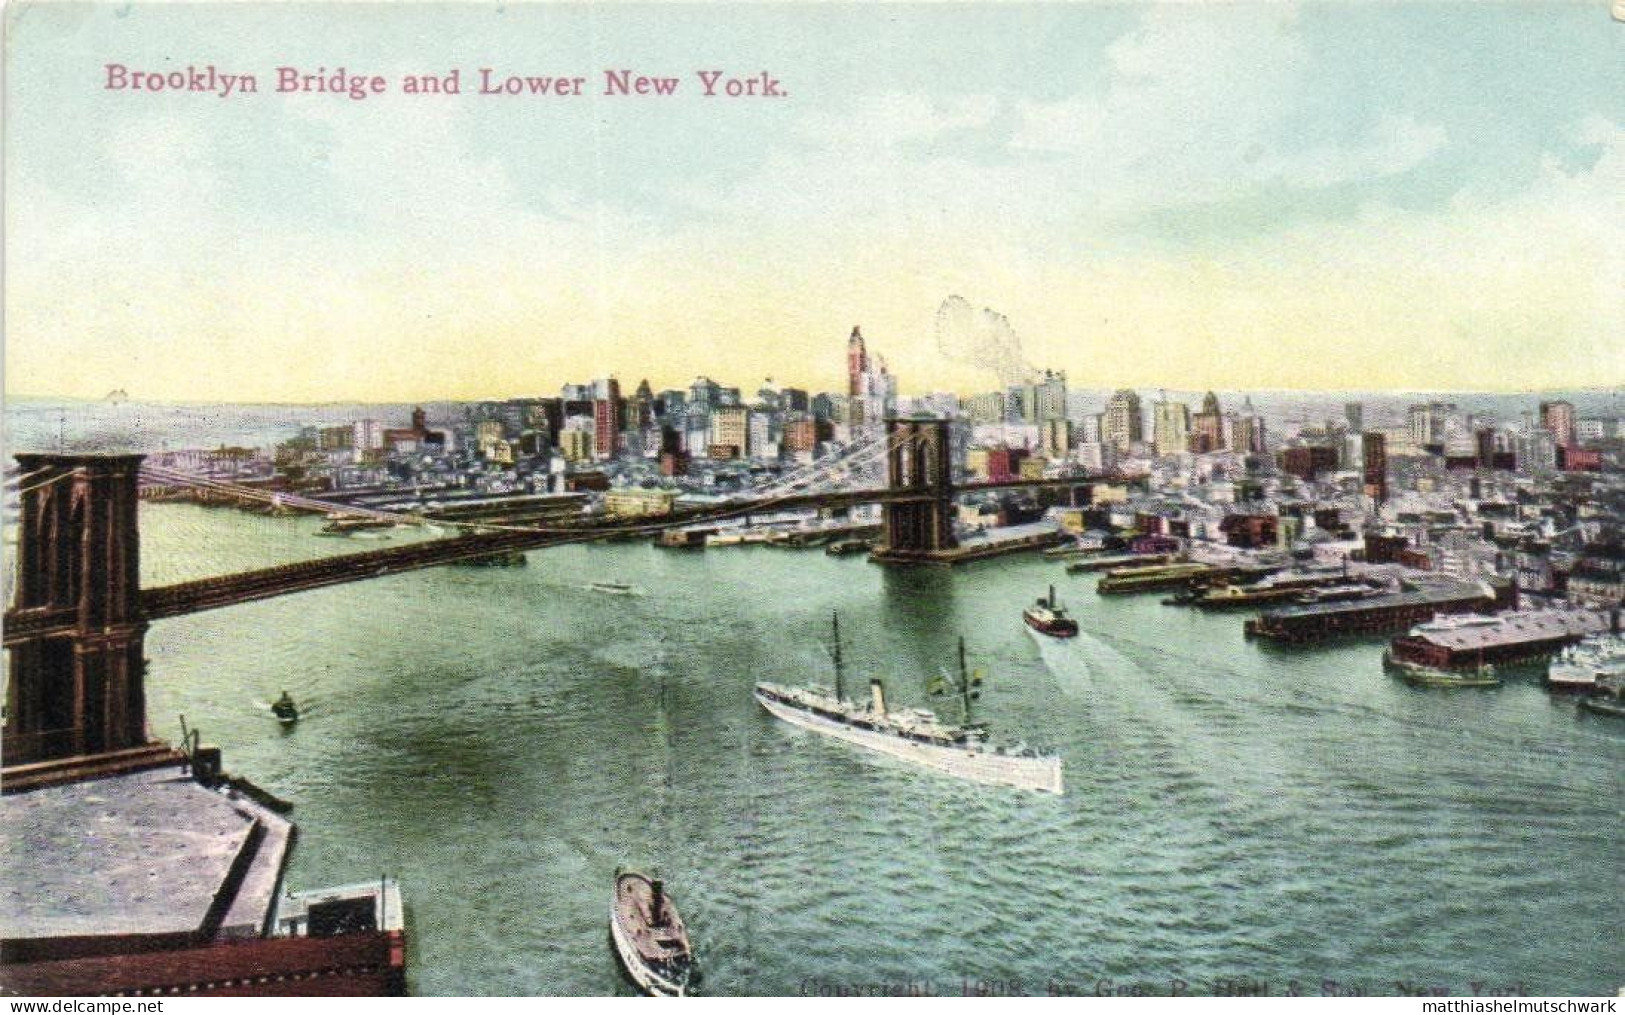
{"type": "Point", "coordinates": [1236, 816]}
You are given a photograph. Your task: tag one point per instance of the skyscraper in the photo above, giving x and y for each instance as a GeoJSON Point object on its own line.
{"type": "Point", "coordinates": [1049, 397]}
{"type": "Point", "coordinates": [606, 428]}
{"type": "Point", "coordinates": [1207, 426]}
{"type": "Point", "coordinates": [1123, 424]}
{"type": "Point", "coordinates": [857, 363]}
{"type": "Point", "coordinates": [1247, 430]}
{"type": "Point", "coordinates": [1375, 451]}
{"type": "Point", "coordinates": [1558, 418]}
{"type": "Point", "coordinates": [1170, 426]}
{"type": "Point", "coordinates": [871, 389]}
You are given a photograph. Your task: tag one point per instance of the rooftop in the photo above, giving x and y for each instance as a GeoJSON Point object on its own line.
{"type": "Point", "coordinates": [1443, 593]}
{"type": "Point", "coordinates": [145, 853]}
{"type": "Point", "coordinates": [1514, 628]}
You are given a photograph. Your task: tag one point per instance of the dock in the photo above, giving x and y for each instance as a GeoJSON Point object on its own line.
{"type": "Point", "coordinates": [982, 546]}
{"type": "Point", "coordinates": [1120, 560]}
{"type": "Point", "coordinates": [1514, 637]}
{"type": "Point", "coordinates": [1380, 614]}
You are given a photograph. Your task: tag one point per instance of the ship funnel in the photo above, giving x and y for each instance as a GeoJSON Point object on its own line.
{"type": "Point", "coordinates": [877, 694]}
{"type": "Point", "coordinates": [657, 903]}
{"type": "Point", "coordinates": [1052, 597]}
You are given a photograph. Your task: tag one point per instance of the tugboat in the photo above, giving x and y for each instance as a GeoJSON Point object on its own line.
{"type": "Point", "coordinates": [914, 735]}
{"type": "Point", "coordinates": [287, 713]}
{"type": "Point", "coordinates": [1048, 617]}
{"type": "Point", "coordinates": [649, 936]}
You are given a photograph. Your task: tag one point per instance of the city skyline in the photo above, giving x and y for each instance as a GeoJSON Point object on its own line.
{"type": "Point", "coordinates": [1254, 198]}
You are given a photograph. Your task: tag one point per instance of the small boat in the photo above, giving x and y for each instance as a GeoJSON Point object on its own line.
{"type": "Point", "coordinates": [843, 547]}
{"type": "Point", "coordinates": [1048, 617]}
{"type": "Point", "coordinates": [1609, 698]}
{"type": "Point", "coordinates": [1604, 706]}
{"type": "Point", "coordinates": [1418, 675]}
{"type": "Point", "coordinates": [287, 713]}
{"type": "Point", "coordinates": [613, 588]}
{"type": "Point", "coordinates": [649, 936]}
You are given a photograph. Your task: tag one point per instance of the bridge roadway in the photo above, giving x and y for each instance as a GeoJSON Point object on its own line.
{"type": "Point", "coordinates": [282, 579]}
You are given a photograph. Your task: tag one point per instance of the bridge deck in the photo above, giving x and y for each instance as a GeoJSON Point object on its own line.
{"type": "Point", "coordinates": [226, 590]}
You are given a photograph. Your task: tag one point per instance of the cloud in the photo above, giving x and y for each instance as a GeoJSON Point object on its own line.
{"type": "Point", "coordinates": [1397, 143]}
{"type": "Point", "coordinates": [1197, 107]}
{"type": "Point", "coordinates": [890, 118]}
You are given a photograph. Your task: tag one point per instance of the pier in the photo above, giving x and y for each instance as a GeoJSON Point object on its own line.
{"type": "Point", "coordinates": [1383, 614]}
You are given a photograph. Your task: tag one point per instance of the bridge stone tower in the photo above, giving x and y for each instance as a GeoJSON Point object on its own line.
{"type": "Point", "coordinates": [918, 458]}
{"type": "Point", "coordinates": [75, 685]}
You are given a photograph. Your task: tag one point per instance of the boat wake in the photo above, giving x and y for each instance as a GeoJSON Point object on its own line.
{"type": "Point", "coordinates": [614, 589]}
{"type": "Point", "coordinates": [1078, 662]}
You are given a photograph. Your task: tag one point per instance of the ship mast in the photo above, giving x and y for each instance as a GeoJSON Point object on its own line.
{"type": "Point", "coordinates": [964, 679]}
{"type": "Point", "coordinates": [835, 619]}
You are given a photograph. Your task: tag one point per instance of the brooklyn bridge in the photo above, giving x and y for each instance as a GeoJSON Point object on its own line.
{"type": "Point", "coordinates": [76, 627]}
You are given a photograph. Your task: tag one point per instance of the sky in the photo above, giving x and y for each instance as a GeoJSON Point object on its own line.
{"type": "Point", "coordinates": [1330, 195]}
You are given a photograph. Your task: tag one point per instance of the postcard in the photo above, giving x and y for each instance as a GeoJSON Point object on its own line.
{"type": "Point", "coordinates": [826, 500]}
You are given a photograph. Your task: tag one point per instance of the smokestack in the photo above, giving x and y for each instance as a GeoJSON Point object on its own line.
{"type": "Point", "coordinates": [877, 694]}
{"type": "Point", "coordinates": [657, 903]}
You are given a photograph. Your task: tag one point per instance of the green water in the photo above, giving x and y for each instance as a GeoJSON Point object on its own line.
{"type": "Point", "coordinates": [501, 739]}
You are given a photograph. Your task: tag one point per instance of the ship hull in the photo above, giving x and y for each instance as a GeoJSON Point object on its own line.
{"type": "Point", "coordinates": [638, 971]}
{"type": "Point", "coordinates": [1055, 629]}
{"type": "Point", "coordinates": [1040, 774]}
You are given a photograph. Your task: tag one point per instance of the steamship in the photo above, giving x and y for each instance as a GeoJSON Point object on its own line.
{"type": "Point", "coordinates": [649, 936]}
{"type": "Point", "coordinates": [914, 735]}
{"type": "Point", "coordinates": [1047, 616]}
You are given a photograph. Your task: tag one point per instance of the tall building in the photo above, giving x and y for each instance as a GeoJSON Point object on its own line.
{"type": "Point", "coordinates": [1354, 412]}
{"type": "Point", "coordinates": [1558, 419]}
{"type": "Point", "coordinates": [730, 428]}
{"type": "Point", "coordinates": [641, 409]}
{"type": "Point", "coordinates": [1124, 425]}
{"type": "Point", "coordinates": [704, 395]}
{"type": "Point", "coordinates": [857, 363]}
{"type": "Point", "coordinates": [606, 427]}
{"type": "Point", "coordinates": [1375, 451]}
{"type": "Point", "coordinates": [1247, 430]}
{"type": "Point", "coordinates": [871, 389]}
{"type": "Point", "coordinates": [764, 435]}
{"type": "Point", "coordinates": [1427, 422]}
{"type": "Point", "coordinates": [1170, 426]}
{"type": "Point", "coordinates": [1044, 400]}
{"type": "Point", "coordinates": [1207, 426]}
